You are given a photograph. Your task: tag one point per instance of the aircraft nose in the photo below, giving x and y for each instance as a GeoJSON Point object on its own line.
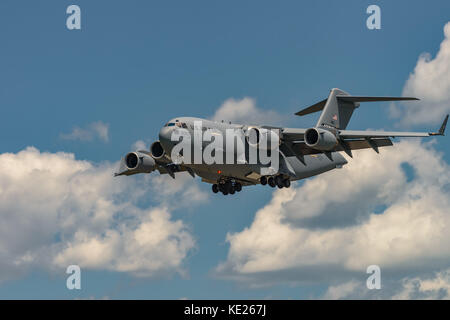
{"type": "Point", "coordinates": [165, 134]}
{"type": "Point", "coordinates": [165, 137]}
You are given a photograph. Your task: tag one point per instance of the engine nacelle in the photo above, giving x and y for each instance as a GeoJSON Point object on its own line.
{"type": "Point", "coordinates": [157, 150]}
{"type": "Point", "coordinates": [263, 138]}
{"type": "Point", "coordinates": [320, 139]}
{"type": "Point", "coordinates": [137, 162]}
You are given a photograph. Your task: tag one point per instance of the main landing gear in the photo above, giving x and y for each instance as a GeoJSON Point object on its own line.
{"type": "Point", "coordinates": [227, 187]}
{"type": "Point", "coordinates": [275, 181]}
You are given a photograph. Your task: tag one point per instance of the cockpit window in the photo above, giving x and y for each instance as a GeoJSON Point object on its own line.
{"type": "Point", "coordinates": [178, 124]}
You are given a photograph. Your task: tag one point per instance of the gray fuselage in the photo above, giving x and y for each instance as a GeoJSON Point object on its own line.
{"type": "Point", "coordinates": [291, 167]}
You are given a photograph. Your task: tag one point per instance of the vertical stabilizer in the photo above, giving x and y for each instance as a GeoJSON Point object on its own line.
{"type": "Point", "coordinates": [337, 112]}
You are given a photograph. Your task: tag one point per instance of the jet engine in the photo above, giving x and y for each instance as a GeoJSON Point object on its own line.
{"type": "Point", "coordinates": [263, 138]}
{"type": "Point", "coordinates": [320, 139]}
{"type": "Point", "coordinates": [137, 162]}
{"type": "Point", "coordinates": [157, 150]}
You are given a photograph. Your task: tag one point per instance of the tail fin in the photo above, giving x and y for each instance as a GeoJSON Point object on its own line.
{"type": "Point", "coordinates": [337, 113]}
{"type": "Point", "coordinates": [338, 107]}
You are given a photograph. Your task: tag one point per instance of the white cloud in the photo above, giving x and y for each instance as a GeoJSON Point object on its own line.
{"type": "Point", "coordinates": [326, 228]}
{"type": "Point", "coordinates": [56, 210]}
{"type": "Point", "coordinates": [185, 197]}
{"type": "Point", "coordinates": [139, 145]}
{"type": "Point", "coordinates": [245, 111]}
{"type": "Point", "coordinates": [429, 82]}
{"type": "Point", "coordinates": [154, 245]}
{"type": "Point", "coordinates": [342, 291]}
{"type": "Point", "coordinates": [92, 131]}
{"type": "Point", "coordinates": [434, 285]}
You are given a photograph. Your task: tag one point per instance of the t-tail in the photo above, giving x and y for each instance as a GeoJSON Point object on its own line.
{"type": "Point", "coordinates": [339, 106]}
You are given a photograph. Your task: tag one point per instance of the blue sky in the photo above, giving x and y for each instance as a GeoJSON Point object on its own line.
{"type": "Point", "coordinates": [136, 64]}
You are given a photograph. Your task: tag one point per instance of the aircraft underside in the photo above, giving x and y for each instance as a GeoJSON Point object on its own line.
{"type": "Point", "coordinates": [229, 179]}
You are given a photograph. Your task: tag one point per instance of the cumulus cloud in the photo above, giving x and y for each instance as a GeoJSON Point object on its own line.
{"type": "Point", "coordinates": [139, 145]}
{"type": "Point", "coordinates": [430, 82]}
{"type": "Point", "coordinates": [342, 290]}
{"type": "Point", "coordinates": [56, 211]}
{"type": "Point", "coordinates": [390, 219]}
{"type": "Point", "coordinates": [434, 285]}
{"type": "Point", "coordinates": [186, 197]}
{"type": "Point", "coordinates": [155, 244]}
{"type": "Point", "coordinates": [94, 130]}
{"type": "Point", "coordinates": [245, 111]}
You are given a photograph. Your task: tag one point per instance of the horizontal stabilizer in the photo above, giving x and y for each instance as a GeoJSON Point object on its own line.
{"type": "Point", "coordinates": [372, 99]}
{"type": "Point", "coordinates": [314, 108]}
{"type": "Point", "coordinates": [321, 104]}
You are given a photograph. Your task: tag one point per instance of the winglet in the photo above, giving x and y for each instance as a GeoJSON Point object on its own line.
{"type": "Point", "coordinates": [444, 125]}
{"type": "Point", "coordinates": [441, 130]}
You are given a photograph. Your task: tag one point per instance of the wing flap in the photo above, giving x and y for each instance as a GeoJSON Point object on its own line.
{"type": "Point", "coordinates": [300, 148]}
{"type": "Point", "coordinates": [365, 144]}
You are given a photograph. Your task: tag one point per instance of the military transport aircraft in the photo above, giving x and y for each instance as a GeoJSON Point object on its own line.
{"type": "Point", "coordinates": [302, 152]}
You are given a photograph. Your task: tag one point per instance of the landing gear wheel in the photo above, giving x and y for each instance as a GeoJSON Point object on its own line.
{"type": "Point", "coordinates": [215, 188]}
{"type": "Point", "coordinates": [286, 183]}
{"type": "Point", "coordinates": [224, 192]}
{"type": "Point", "coordinates": [279, 181]}
{"type": "Point", "coordinates": [263, 180]}
{"type": "Point", "coordinates": [228, 186]}
{"type": "Point", "coordinates": [232, 191]}
{"type": "Point", "coordinates": [271, 182]}
{"type": "Point", "coordinates": [238, 187]}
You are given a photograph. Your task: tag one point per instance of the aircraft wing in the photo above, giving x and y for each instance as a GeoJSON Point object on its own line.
{"type": "Point", "coordinates": [373, 134]}
{"type": "Point", "coordinates": [345, 134]}
{"type": "Point", "coordinates": [299, 148]}
{"type": "Point", "coordinates": [163, 165]}
{"type": "Point", "coordinates": [293, 133]}
{"type": "Point", "coordinates": [293, 143]}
